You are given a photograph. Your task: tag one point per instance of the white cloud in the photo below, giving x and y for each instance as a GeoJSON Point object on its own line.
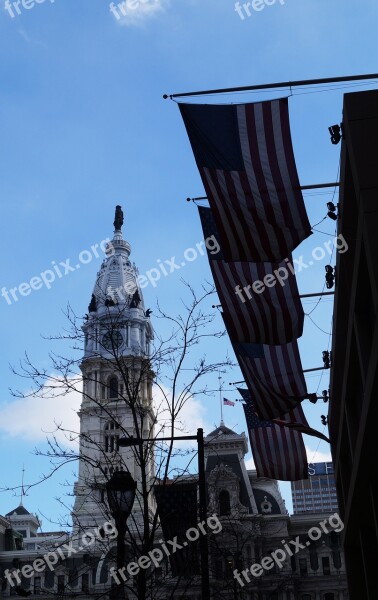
{"type": "Point", "coordinates": [34, 418]}
{"type": "Point", "coordinates": [190, 418]}
{"type": "Point", "coordinates": [135, 12]}
{"type": "Point", "coordinates": [250, 464]}
{"type": "Point", "coordinates": [316, 456]}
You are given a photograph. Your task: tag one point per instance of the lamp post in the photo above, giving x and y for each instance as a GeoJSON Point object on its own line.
{"type": "Point", "coordinates": [120, 491]}
{"type": "Point", "coordinates": [233, 561]}
{"type": "Point", "coordinates": [131, 441]}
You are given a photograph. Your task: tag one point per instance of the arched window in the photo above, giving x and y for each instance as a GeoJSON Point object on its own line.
{"type": "Point", "coordinates": [111, 437]}
{"type": "Point", "coordinates": [224, 503]}
{"type": "Point", "coordinates": [113, 387]}
{"type": "Point", "coordinates": [303, 566]}
{"type": "Point", "coordinates": [274, 568]}
{"type": "Point", "coordinates": [326, 568]}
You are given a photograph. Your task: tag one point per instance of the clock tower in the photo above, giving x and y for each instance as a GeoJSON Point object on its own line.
{"type": "Point", "coordinates": [117, 381]}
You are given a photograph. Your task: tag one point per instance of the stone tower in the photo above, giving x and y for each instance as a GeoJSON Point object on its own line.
{"type": "Point", "coordinates": [117, 380]}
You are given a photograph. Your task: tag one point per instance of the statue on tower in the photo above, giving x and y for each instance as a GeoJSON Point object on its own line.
{"type": "Point", "coordinates": [118, 219]}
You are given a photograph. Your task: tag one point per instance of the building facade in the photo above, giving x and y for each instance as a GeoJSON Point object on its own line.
{"type": "Point", "coordinates": [256, 525]}
{"type": "Point", "coordinates": [318, 492]}
{"type": "Point", "coordinates": [353, 409]}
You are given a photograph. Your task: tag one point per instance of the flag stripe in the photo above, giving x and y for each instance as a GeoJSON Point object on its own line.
{"type": "Point", "coordinates": [257, 131]}
{"type": "Point", "coordinates": [245, 157]}
{"type": "Point", "coordinates": [278, 451]}
{"type": "Point", "coordinates": [275, 381]}
{"type": "Point", "coordinates": [228, 402]}
{"type": "Point", "coordinates": [298, 421]}
{"type": "Point", "coordinates": [273, 315]}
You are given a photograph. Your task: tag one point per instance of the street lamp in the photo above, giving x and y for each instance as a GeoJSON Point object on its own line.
{"type": "Point", "coordinates": [131, 441]}
{"type": "Point", "coordinates": [233, 561]}
{"type": "Point", "coordinates": [120, 491]}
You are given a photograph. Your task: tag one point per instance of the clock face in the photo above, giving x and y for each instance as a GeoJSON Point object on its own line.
{"type": "Point", "coordinates": [112, 340]}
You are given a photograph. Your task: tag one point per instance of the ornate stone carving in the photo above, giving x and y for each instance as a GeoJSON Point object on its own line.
{"type": "Point", "coordinates": [222, 478]}
{"type": "Point", "coordinates": [266, 506]}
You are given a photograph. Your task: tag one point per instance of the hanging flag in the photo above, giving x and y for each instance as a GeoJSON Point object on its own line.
{"type": "Point", "coordinates": [245, 158]}
{"type": "Point", "coordinates": [249, 350]}
{"type": "Point", "coordinates": [228, 402]}
{"type": "Point", "coordinates": [301, 426]}
{"type": "Point", "coordinates": [260, 301]}
{"type": "Point", "coordinates": [295, 420]}
{"type": "Point", "coordinates": [278, 452]}
{"type": "Point", "coordinates": [275, 380]}
{"type": "Point", "coordinates": [177, 509]}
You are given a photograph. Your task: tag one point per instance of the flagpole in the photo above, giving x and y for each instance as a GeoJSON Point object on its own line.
{"type": "Point", "coordinates": [314, 186]}
{"type": "Point", "coordinates": [22, 493]}
{"type": "Point", "coordinates": [220, 397]}
{"type": "Point", "coordinates": [271, 86]}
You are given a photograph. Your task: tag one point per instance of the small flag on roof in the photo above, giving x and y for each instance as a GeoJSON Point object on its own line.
{"type": "Point", "coordinates": [228, 402]}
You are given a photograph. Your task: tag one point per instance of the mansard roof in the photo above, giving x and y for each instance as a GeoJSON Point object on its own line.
{"type": "Point", "coordinates": [222, 430]}
{"type": "Point", "coordinates": [20, 510]}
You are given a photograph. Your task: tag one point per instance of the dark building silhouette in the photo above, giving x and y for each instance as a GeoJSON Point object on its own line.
{"type": "Point", "coordinates": [353, 414]}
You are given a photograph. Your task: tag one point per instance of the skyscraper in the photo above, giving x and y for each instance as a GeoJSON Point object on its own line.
{"type": "Point", "coordinates": [317, 493]}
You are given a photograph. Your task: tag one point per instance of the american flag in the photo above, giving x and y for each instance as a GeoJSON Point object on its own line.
{"type": "Point", "coordinates": [275, 380]}
{"type": "Point", "coordinates": [278, 452]}
{"type": "Point", "coordinates": [301, 425]}
{"type": "Point", "coordinates": [295, 419]}
{"type": "Point", "coordinates": [274, 316]}
{"type": "Point", "coordinates": [245, 158]}
{"type": "Point", "coordinates": [177, 509]}
{"type": "Point", "coordinates": [228, 402]}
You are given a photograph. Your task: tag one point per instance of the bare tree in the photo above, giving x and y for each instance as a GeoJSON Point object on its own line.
{"type": "Point", "coordinates": [140, 394]}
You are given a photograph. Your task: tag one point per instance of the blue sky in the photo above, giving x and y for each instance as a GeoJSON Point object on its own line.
{"type": "Point", "coordinates": [84, 127]}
